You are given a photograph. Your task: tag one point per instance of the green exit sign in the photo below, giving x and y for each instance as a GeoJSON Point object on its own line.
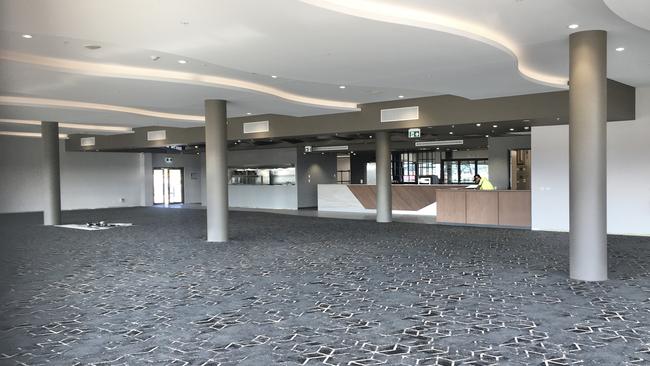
{"type": "Point", "coordinates": [414, 133]}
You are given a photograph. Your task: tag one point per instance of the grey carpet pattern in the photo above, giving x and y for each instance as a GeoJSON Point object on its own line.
{"type": "Point", "coordinates": [292, 290]}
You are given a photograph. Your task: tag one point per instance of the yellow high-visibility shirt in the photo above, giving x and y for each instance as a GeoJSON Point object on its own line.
{"type": "Point", "coordinates": [485, 185]}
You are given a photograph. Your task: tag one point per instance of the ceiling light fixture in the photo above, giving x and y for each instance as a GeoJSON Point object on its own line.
{"type": "Point", "coordinates": [512, 129]}
{"type": "Point", "coordinates": [27, 36]}
{"type": "Point", "coordinates": [154, 74]}
{"type": "Point", "coordinates": [330, 148]}
{"type": "Point", "coordinates": [439, 143]}
{"type": "Point", "coordinates": [400, 96]}
{"type": "Point", "coordinates": [274, 76]}
{"type": "Point", "coordinates": [573, 26]}
{"type": "Point", "coordinates": [248, 113]}
{"type": "Point", "coordinates": [182, 62]}
{"type": "Point", "coordinates": [341, 86]}
{"type": "Point", "coordinates": [478, 125]}
{"type": "Point", "coordinates": [451, 133]}
{"type": "Point", "coordinates": [620, 49]}
{"type": "Point", "coordinates": [526, 128]}
{"type": "Point", "coordinates": [494, 126]}
{"type": "Point", "coordinates": [487, 135]}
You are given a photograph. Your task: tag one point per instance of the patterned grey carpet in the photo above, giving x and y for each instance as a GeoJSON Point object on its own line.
{"type": "Point", "coordinates": [300, 290]}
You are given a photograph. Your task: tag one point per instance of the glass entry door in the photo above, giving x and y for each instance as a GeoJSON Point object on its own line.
{"type": "Point", "coordinates": [167, 186]}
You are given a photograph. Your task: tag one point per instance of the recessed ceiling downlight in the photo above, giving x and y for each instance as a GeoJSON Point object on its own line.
{"type": "Point", "coordinates": [182, 62]}
{"type": "Point", "coordinates": [341, 86]}
{"type": "Point", "coordinates": [27, 36]}
{"type": "Point", "coordinates": [620, 49]}
{"type": "Point", "coordinates": [573, 26]}
{"type": "Point", "coordinates": [274, 76]}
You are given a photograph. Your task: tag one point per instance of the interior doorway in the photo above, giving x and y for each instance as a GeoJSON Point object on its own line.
{"type": "Point", "coordinates": [520, 169]}
{"type": "Point", "coordinates": [167, 186]}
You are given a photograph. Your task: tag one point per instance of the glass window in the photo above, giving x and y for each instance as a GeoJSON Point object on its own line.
{"type": "Point", "coordinates": [451, 171]}
{"type": "Point", "coordinates": [467, 171]}
{"type": "Point", "coordinates": [483, 168]}
{"type": "Point", "coordinates": [408, 167]}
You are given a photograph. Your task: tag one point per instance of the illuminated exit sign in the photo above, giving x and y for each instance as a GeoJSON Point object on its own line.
{"type": "Point", "coordinates": [414, 133]}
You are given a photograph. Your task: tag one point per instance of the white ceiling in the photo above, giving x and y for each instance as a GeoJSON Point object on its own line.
{"type": "Point", "coordinates": [311, 45]}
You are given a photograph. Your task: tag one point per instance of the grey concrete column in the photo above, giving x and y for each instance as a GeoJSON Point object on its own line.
{"type": "Point", "coordinates": [51, 174]}
{"type": "Point", "coordinates": [384, 193]}
{"type": "Point", "coordinates": [216, 170]}
{"type": "Point", "coordinates": [587, 155]}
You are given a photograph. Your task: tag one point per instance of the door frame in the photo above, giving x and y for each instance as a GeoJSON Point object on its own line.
{"type": "Point", "coordinates": [168, 195]}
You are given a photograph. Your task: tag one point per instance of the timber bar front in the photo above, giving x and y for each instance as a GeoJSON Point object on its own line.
{"type": "Point", "coordinates": [452, 204]}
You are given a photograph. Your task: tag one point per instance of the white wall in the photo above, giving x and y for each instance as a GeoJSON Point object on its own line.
{"type": "Point", "coordinates": [550, 178]}
{"type": "Point", "coordinates": [628, 174]}
{"type": "Point", "coordinates": [88, 179]}
{"type": "Point", "coordinates": [191, 164]}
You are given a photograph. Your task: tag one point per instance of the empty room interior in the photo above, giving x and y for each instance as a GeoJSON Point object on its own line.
{"type": "Point", "coordinates": [325, 182]}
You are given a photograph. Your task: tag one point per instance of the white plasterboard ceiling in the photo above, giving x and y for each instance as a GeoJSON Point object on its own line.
{"type": "Point", "coordinates": [313, 46]}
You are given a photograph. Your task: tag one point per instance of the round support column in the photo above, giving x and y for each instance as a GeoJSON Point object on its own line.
{"type": "Point", "coordinates": [216, 170]}
{"type": "Point", "coordinates": [384, 193]}
{"type": "Point", "coordinates": [51, 174]}
{"type": "Point", "coordinates": [588, 155]}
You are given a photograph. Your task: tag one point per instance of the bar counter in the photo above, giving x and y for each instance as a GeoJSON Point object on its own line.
{"type": "Point", "coordinates": [499, 208]}
{"type": "Point", "coordinates": [449, 203]}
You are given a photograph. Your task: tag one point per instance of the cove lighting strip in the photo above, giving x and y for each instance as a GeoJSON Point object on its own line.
{"type": "Point", "coordinates": [62, 136]}
{"type": "Point", "coordinates": [393, 12]}
{"type": "Point", "coordinates": [75, 126]}
{"type": "Point", "coordinates": [145, 73]}
{"type": "Point", "coordinates": [439, 143]}
{"type": "Point", "coordinates": [42, 102]}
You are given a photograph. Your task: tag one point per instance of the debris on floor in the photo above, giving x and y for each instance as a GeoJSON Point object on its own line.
{"type": "Point", "coordinates": [99, 225]}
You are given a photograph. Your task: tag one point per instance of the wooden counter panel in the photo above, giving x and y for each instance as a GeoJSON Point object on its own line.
{"type": "Point", "coordinates": [404, 197]}
{"type": "Point", "coordinates": [482, 207]}
{"type": "Point", "coordinates": [413, 198]}
{"type": "Point", "coordinates": [498, 208]}
{"type": "Point", "coordinates": [514, 208]}
{"type": "Point", "coordinates": [366, 194]}
{"type": "Point", "coordinates": [451, 206]}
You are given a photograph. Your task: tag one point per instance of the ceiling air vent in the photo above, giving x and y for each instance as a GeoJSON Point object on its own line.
{"type": "Point", "coordinates": [329, 148]}
{"type": "Point", "coordinates": [256, 127]}
{"type": "Point", "coordinates": [87, 141]}
{"type": "Point", "coordinates": [439, 143]}
{"type": "Point", "coordinates": [400, 114]}
{"type": "Point", "coordinates": [156, 135]}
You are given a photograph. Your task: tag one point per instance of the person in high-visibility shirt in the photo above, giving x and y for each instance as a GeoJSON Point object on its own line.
{"type": "Point", "coordinates": [483, 184]}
